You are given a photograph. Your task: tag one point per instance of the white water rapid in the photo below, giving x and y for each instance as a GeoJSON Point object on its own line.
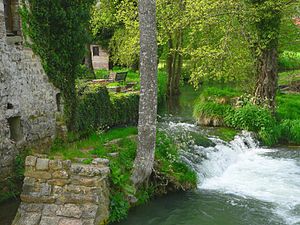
{"type": "Point", "coordinates": [242, 168]}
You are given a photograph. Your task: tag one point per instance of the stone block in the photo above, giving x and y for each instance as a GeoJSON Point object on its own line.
{"type": "Point", "coordinates": [89, 211]}
{"type": "Point", "coordinates": [55, 164]}
{"type": "Point", "coordinates": [47, 220]}
{"type": "Point", "coordinates": [28, 219]}
{"type": "Point", "coordinates": [89, 171]}
{"type": "Point", "coordinates": [66, 221]}
{"type": "Point", "coordinates": [67, 164]}
{"type": "Point", "coordinates": [42, 164]}
{"type": "Point", "coordinates": [69, 210]}
{"type": "Point", "coordinates": [61, 174]}
{"type": "Point", "coordinates": [38, 174]}
{"type": "Point", "coordinates": [45, 189]}
{"type": "Point", "coordinates": [30, 161]}
{"type": "Point", "coordinates": [50, 209]}
{"type": "Point", "coordinates": [31, 207]}
{"type": "Point", "coordinates": [59, 182]}
{"type": "Point", "coordinates": [37, 199]}
{"type": "Point", "coordinates": [86, 181]}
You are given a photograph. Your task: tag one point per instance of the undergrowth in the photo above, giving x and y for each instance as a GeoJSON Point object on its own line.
{"type": "Point", "coordinates": [119, 146]}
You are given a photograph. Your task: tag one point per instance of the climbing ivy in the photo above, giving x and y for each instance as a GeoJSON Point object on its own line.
{"type": "Point", "coordinates": [56, 31]}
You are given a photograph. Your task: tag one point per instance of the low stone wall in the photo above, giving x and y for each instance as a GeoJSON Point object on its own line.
{"type": "Point", "coordinates": [64, 193]}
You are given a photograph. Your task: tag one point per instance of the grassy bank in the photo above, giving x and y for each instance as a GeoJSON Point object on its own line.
{"type": "Point", "coordinates": [228, 108]}
{"type": "Point", "coordinates": [119, 146]}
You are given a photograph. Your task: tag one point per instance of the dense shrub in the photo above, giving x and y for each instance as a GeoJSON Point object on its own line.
{"type": "Point", "coordinates": [94, 110]}
{"type": "Point", "coordinates": [250, 117]}
{"type": "Point", "coordinates": [97, 109]}
{"type": "Point", "coordinates": [124, 109]}
{"type": "Point", "coordinates": [211, 109]}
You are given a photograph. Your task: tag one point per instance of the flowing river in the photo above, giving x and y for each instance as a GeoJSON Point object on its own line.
{"type": "Point", "coordinates": [240, 182]}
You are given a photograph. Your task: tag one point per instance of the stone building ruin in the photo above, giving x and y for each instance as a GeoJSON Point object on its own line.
{"type": "Point", "coordinates": [28, 102]}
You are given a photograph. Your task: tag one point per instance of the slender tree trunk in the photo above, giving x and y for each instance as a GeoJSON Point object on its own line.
{"type": "Point", "coordinates": [144, 160]}
{"type": "Point", "coordinates": [170, 68]}
{"type": "Point", "coordinates": [267, 80]}
{"type": "Point", "coordinates": [174, 64]}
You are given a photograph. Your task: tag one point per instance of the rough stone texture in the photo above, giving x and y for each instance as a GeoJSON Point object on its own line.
{"type": "Point", "coordinates": [65, 193]}
{"type": "Point", "coordinates": [25, 94]}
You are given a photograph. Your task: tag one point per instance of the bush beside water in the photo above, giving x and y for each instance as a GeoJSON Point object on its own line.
{"type": "Point", "coordinates": [283, 128]}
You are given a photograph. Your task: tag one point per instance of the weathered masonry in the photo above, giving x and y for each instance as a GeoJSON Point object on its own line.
{"type": "Point", "coordinates": [58, 192]}
{"type": "Point", "coordinates": [27, 99]}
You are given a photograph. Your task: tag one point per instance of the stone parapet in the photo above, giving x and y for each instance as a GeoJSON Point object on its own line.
{"type": "Point", "coordinates": [61, 192]}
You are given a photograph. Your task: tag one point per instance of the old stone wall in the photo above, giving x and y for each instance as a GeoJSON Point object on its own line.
{"type": "Point", "coordinates": [27, 100]}
{"type": "Point", "coordinates": [58, 192]}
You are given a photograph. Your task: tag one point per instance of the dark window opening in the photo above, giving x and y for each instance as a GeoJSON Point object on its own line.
{"type": "Point", "coordinates": [10, 106]}
{"type": "Point", "coordinates": [12, 19]}
{"type": "Point", "coordinates": [16, 133]}
{"type": "Point", "coordinates": [96, 51]}
{"type": "Point", "coordinates": [58, 102]}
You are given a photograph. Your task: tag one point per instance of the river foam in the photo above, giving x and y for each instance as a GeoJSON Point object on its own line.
{"type": "Point", "coordinates": [252, 172]}
{"type": "Point", "coordinates": [242, 168]}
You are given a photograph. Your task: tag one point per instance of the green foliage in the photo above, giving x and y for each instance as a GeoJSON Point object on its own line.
{"type": "Point", "coordinates": [224, 133]}
{"type": "Point", "coordinates": [58, 34]}
{"type": "Point", "coordinates": [12, 186]}
{"type": "Point", "coordinates": [211, 109]}
{"type": "Point", "coordinates": [250, 117]}
{"type": "Point", "coordinates": [214, 102]}
{"type": "Point", "coordinates": [290, 131]}
{"type": "Point", "coordinates": [216, 91]}
{"type": "Point", "coordinates": [94, 110]}
{"type": "Point", "coordinates": [101, 74]}
{"type": "Point", "coordinates": [122, 141]}
{"type": "Point", "coordinates": [287, 77]}
{"type": "Point", "coordinates": [288, 106]}
{"type": "Point", "coordinates": [289, 60]}
{"type": "Point", "coordinates": [125, 109]}
{"type": "Point", "coordinates": [170, 165]}
{"type": "Point", "coordinates": [97, 109]}
{"type": "Point", "coordinates": [119, 207]}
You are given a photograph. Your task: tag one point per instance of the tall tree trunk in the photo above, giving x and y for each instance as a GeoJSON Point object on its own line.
{"type": "Point", "coordinates": [267, 79]}
{"type": "Point", "coordinates": [144, 160]}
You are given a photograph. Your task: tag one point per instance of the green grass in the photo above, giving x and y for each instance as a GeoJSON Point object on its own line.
{"type": "Point", "coordinates": [285, 78]}
{"type": "Point", "coordinates": [289, 60]}
{"type": "Point", "coordinates": [288, 106]}
{"type": "Point", "coordinates": [224, 133]}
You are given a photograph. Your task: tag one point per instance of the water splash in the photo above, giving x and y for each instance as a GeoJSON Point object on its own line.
{"type": "Point", "coordinates": [242, 168]}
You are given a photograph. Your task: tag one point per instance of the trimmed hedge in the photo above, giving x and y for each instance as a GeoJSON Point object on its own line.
{"type": "Point", "coordinates": [98, 110]}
